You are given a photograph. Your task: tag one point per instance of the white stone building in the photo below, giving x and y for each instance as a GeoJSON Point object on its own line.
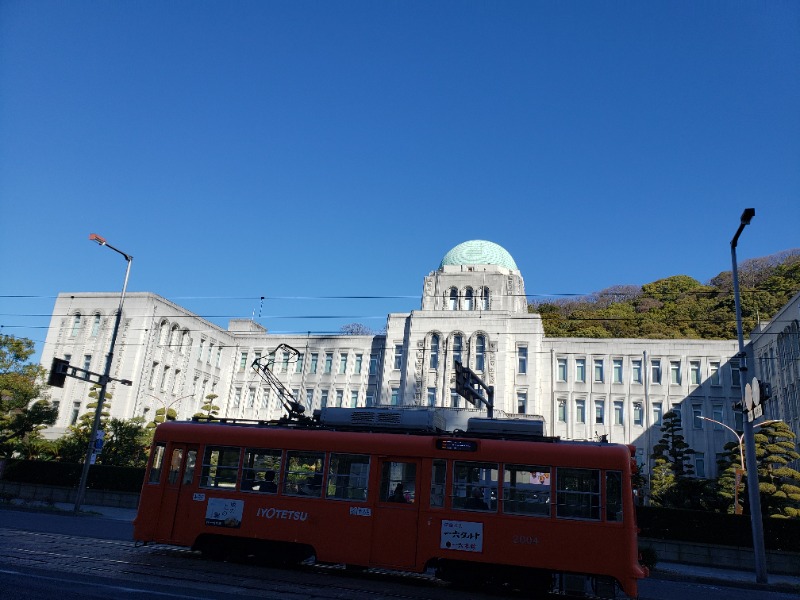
{"type": "Point", "coordinates": [473, 309]}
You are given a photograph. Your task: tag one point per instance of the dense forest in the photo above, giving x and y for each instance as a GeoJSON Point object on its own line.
{"type": "Point", "coordinates": [678, 306]}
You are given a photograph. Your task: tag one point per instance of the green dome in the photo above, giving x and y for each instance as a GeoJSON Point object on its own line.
{"type": "Point", "coordinates": [479, 252]}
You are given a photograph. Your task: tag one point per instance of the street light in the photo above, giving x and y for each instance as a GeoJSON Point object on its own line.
{"type": "Point", "coordinates": [106, 375]}
{"type": "Point", "coordinates": [168, 405]}
{"type": "Point", "coordinates": [740, 438]}
{"type": "Point", "coordinates": [749, 440]}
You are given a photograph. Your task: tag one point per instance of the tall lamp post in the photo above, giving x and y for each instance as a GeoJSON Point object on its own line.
{"type": "Point", "coordinates": [106, 375]}
{"type": "Point", "coordinates": [749, 439]}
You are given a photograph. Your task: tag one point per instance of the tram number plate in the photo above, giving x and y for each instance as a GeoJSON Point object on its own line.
{"type": "Point", "coordinates": [463, 536]}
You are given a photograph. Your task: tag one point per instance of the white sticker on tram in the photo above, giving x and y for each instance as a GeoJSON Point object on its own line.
{"type": "Point", "coordinates": [464, 536]}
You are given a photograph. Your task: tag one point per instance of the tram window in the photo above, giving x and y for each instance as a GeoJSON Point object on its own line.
{"type": "Point", "coordinates": [399, 482]}
{"type": "Point", "coordinates": [613, 495]}
{"type": "Point", "coordinates": [220, 467]}
{"type": "Point", "coordinates": [348, 475]}
{"type": "Point", "coordinates": [303, 473]}
{"type": "Point", "coordinates": [156, 465]}
{"type": "Point", "coordinates": [260, 469]}
{"type": "Point", "coordinates": [578, 495]}
{"type": "Point", "coordinates": [526, 490]}
{"type": "Point", "coordinates": [438, 476]}
{"type": "Point", "coordinates": [188, 470]}
{"type": "Point", "coordinates": [175, 465]}
{"type": "Point", "coordinates": [475, 486]}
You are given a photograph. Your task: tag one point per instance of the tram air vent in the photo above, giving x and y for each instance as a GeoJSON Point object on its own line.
{"type": "Point", "coordinates": [383, 418]}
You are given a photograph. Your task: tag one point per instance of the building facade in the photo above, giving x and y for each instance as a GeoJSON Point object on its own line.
{"type": "Point", "coordinates": [473, 310]}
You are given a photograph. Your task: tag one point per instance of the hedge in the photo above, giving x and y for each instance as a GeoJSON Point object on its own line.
{"type": "Point", "coordinates": [101, 477]}
{"type": "Point", "coordinates": [716, 528]}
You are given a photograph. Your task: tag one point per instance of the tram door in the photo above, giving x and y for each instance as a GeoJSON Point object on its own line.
{"type": "Point", "coordinates": [174, 513]}
{"type": "Point", "coordinates": [395, 520]}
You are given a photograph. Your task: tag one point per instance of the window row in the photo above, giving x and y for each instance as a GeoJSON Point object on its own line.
{"type": "Point", "coordinates": [290, 363]}
{"type": "Point", "coordinates": [468, 299]}
{"type": "Point", "coordinates": [676, 374]}
{"type": "Point", "coordinates": [77, 324]}
{"type": "Point", "coordinates": [456, 350]}
{"type": "Point", "coordinates": [516, 489]}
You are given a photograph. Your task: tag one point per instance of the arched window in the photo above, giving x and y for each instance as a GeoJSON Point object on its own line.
{"type": "Point", "coordinates": [458, 346]}
{"type": "Point", "coordinates": [480, 353]}
{"type": "Point", "coordinates": [76, 325]}
{"type": "Point", "coordinates": [96, 325]}
{"type": "Point", "coordinates": [485, 298]}
{"type": "Point", "coordinates": [163, 333]}
{"type": "Point", "coordinates": [468, 299]}
{"type": "Point", "coordinates": [434, 351]}
{"type": "Point", "coordinates": [453, 303]}
{"type": "Point", "coordinates": [185, 341]}
{"type": "Point", "coordinates": [173, 335]}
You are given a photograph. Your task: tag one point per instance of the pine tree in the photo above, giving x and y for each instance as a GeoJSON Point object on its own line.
{"type": "Point", "coordinates": [209, 410]}
{"type": "Point", "coordinates": [778, 483]}
{"type": "Point", "coordinates": [672, 465]}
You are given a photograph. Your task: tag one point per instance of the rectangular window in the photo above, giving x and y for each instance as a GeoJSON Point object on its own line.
{"type": "Point", "coordinates": [561, 370]}
{"type": "Point", "coordinates": [455, 399]}
{"type": "Point", "coordinates": [153, 375]}
{"type": "Point", "coordinates": [323, 398]}
{"type": "Point", "coordinates": [251, 397]}
{"type": "Point", "coordinates": [348, 476]}
{"type": "Point", "coordinates": [580, 370]}
{"type": "Point", "coordinates": [522, 402]}
{"type": "Point", "coordinates": [370, 399]}
{"type": "Point", "coordinates": [700, 464]}
{"type": "Point", "coordinates": [220, 467]}
{"type": "Point", "coordinates": [298, 366]}
{"type": "Point", "coordinates": [675, 372]}
{"type": "Point", "coordinates": [313, 367]}
{"type": "Point", "coordinates": [303, 473]}
{"type": "Point", "coordinates": [598, 370]}
{"type": "Point", "coordinates": [655, 371]}
{"type": "Point", "coordinates": [76, 409]}
{"type": "Point", "coordinates": [202, 350]}
{"type": "Point", "coordinates": [398, 482]}
{"type": "Point", "coordinates": [176, 382]}
{"type": "Point", "coordinates": [526, 490]}
{"type": "Point", "coordinates": [343, 363]}
{"type": "Point", "coordinates": [260, 469]}
{"type": "Point", "coordinates": [735, 375]}
{"type": "Point", "coordinates": [353, 398]}
{"type": "Point", "coordinates": [373, 364]}
{"type": "Point", "coordinates": [211, 352]}
{"type": "Point", "coordinates": [617, 370]}
{"type": "Point", "coordinates": [237, 397]}
{"type": "Point", "coordinates": [619, 413]}
{"type": "Point", "coordinates": [522, 360]}
{"type": "Point", "coordinates": [431, 396]}
{"type": "Point", "coordinates": [398, 356]}
{"type": "Point", "coordinates": [657, 413]}
{"type": "Point", "coordinates": [328, 362]}
{"type": "Point", "coordinates": [694, 372]}
{"type": "Point", "coordinates": [87, 362]}
{"type": "Point", "coordinates": [357, 367]}
{"type": "Point", "coordinates": [578, 494]}
{"type": "Point", "coordinates": [339, 398]}
{"type": "Point", "coordinates": [599, 412]}
{"type": "Point", "coordinates": [562, 410]}
{"type": "Point", "coordinates": [164, 379]}
{"type": "Point", "coordinates": [718, 413]}
{"type": "Point", "coordinates": [614, 496]}
{"type": "Point", "coordinates": [697, 412]}
{"type": "Point", "coordinates": [242, 360]}
{"type": "Point", "coordinates": [638, 414]}
{"type": "Point", "coordinates": [580, 411]}
{"type": "Point", "coordinates": [714, 372]}
{"type": "Point", "coordinates": [475, 486]}
{"type": "Point", "coordinates": [457, 348]}
{"type": "Point", "coordinates": [157, 463]}
{"type": "Point", "coordinates": [395, 396]}
{"type": "Point", "coordinates": [309, 398]}
{"type": "Point", "coordinates": [636, 371]}
{"type": "Point", "coordinates": [438, 478]}
{"type": "Point", "coordinates": [285, 363]}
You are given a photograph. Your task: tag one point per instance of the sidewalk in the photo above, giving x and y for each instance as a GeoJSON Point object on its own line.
{"type": "Point", "coordinates": [107, 512]}
{"type": "Point", "coordinates": [730, 577]}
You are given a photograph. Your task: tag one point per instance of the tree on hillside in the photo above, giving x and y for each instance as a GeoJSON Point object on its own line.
{"type": "Point", "coordinates": [21, 383]}
{"type": "Point", "coordinates": [672, 465]}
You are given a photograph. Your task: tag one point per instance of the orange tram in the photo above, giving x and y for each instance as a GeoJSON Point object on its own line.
{"type": "Point", "coordinates": [376, 488]}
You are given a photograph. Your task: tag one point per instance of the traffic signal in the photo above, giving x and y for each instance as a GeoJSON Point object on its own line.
{"type": "Point", "coordinates": [58, 372]}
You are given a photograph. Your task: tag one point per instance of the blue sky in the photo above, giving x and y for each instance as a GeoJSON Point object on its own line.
{"type": "Point", "coordinates": [312, 149]}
